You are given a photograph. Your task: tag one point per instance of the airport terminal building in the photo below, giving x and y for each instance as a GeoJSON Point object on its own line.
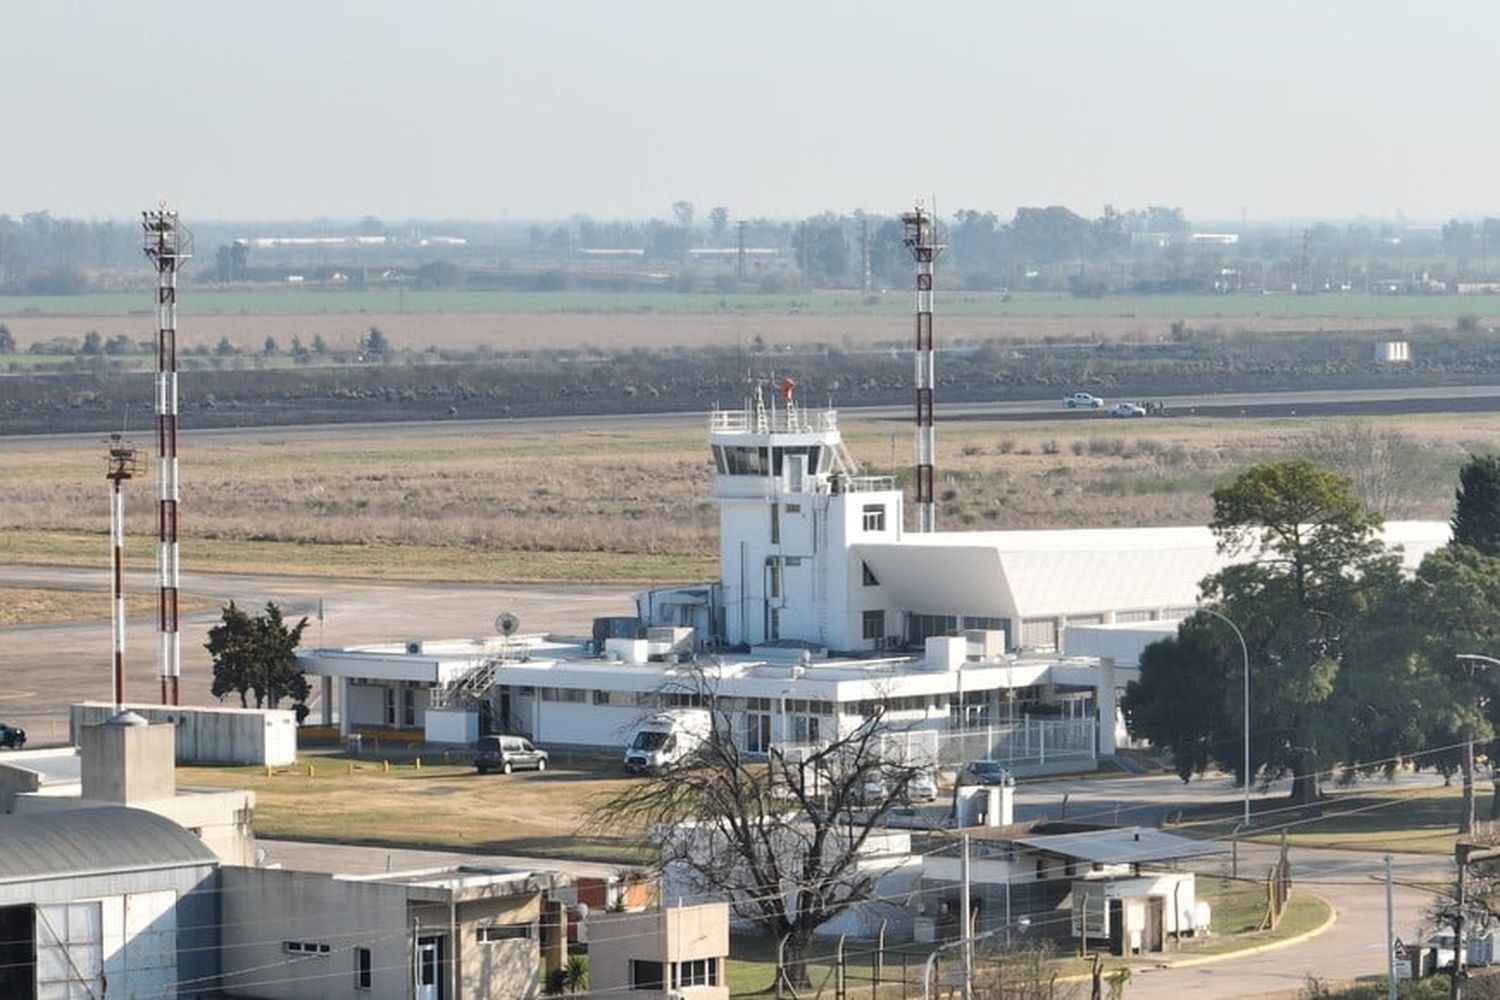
{"type": "Point", "coordinates": [1012, 644]}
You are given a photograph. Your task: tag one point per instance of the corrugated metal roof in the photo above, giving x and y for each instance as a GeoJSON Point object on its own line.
{"type": "Point", "coordinates": [1127, 845]}
{"type": "Point", "coordinates": [94, 840]}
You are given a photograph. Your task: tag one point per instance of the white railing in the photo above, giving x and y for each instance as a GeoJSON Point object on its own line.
{"type": "Point", "coordinates": [787, 421]}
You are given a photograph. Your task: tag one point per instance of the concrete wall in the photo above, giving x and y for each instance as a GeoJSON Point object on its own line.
{"type": "Point", "coordinates": [265, 908]}
{"type": "Point", "coordinates": [263, 737]}
{"type": "Point", "coordinates": [499, 970]}
{"type": "Point", "coordinates": [124, 764]}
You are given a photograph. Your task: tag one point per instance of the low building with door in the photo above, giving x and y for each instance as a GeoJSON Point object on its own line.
{"type": "Point", "coordinates": [671, 952]}
{"type": "Point", "coordinates": [453, 932]}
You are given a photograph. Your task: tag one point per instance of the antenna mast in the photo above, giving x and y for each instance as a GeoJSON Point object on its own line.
{"type": "Point", "coordinates": [167, 244]}
{"type": "Point", "coordinates": [920, 236]}
{"type": "Point", "coordinates": [122, 466]}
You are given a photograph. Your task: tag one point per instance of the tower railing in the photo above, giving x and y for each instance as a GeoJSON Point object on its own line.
{"type": "Point", "coordinates": [797, 421]}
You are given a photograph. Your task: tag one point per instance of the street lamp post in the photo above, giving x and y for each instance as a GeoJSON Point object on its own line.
{"type": "Point", "coordinates": [1245, 654]}
{"type": "Point", "coordinates": [1471, 662]}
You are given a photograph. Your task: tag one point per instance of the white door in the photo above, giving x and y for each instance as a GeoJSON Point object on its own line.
{"type": "Point", "coordinates": [429, 969]}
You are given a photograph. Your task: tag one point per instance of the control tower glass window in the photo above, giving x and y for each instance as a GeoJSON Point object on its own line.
{"type": "Point", "coordinates": [874, 517]}
{"type": "Point", "coordinates": [747, 461]}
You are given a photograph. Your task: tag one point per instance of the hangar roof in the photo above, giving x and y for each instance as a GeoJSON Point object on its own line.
{"type": "Point", "coordinates": [1029, 574]}
{"type": "Point", "coordinates": [93, 840]}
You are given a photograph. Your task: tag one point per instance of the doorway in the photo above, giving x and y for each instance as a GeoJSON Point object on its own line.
{"type": "Point", "coordinates": [429, 968]}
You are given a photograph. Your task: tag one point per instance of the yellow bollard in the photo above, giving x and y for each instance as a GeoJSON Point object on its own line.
{"type": "Point", "coordinates": [349, 768]}
{"type": "Point", "coordinates": [269, 772]}
{"type": "Point", "coordinates": [419, 763]}
{"type": "Point", "coordinates": [312, 769]}
{"type": "Point", "coordinates": [385, 766]}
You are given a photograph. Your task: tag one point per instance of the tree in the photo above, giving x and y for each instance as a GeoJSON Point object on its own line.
{"type": "Point", "coordinates": [1476, 508]}
{"type": "Point", "coordinates": [1330, 662]}
{"type": "Point", "coordinates": [256, 656]}
{"type": "Point", "coordinates": [7, 340]}
{"type": "Point", "coordinates": [718, 222]}
{"type": "Point", "coordinates": [682, 211]}
{"type": "Point", "coordinates": [1181, 701]}
{"type": "Point", "coordinates": [1316, 567]}
{"type": "Point", "coordinates": [781, 835]}
{"type": "Point", "coordinates": [373, 343]}
{"type": "Point", "coordinates": [92, 343]}
{"type": "Point", "coordinates": [270, 348]}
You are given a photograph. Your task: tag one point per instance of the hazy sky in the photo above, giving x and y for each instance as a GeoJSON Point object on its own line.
{"type": "Point", "coordinates": [279, 110]}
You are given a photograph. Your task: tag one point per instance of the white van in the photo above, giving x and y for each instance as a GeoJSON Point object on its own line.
{"type": "Point", "coordinates": [667, 738]}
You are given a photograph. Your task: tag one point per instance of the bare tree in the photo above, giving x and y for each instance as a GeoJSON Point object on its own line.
{"type": "Point", "coordinates": [779, 835]}
{"type": "Point", "coordinates": [1388, 468]}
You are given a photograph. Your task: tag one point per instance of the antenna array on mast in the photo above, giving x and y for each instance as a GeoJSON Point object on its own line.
{"type": "Point", "coordinates": [920, 236]}
{"type": "Point", "coordinates": [167, 244]}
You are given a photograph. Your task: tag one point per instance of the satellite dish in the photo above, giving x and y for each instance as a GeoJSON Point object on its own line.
{"type": "Point", "coordinates": [506, 623]}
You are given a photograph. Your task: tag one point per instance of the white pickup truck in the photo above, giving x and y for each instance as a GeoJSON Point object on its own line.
{"type": "Point", "coordinates": [1074, 400]}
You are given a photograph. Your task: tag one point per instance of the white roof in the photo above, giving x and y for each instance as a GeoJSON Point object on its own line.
{"type": "Point", "coordinates": [1035, 574]}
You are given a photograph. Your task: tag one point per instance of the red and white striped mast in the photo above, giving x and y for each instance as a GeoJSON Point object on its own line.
{"type": "Point", "coordinates": [167, 245]}
{"type": "Point", "coordinates": [920, 236]}
{"type": "Point", "coordinates": [122, 466]}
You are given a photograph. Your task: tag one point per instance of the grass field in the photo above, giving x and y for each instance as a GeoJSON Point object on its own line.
{"type": "Point", "coordinates": [37, 606]}
{"type": "Point", "coordinates": [1373, 816]}
{"type": "Point", "coordinates": [439, 806]}
{"type": "Point", "coordinates": [828, 303]}
{"type": "Point", "coordinates": [632, 505]}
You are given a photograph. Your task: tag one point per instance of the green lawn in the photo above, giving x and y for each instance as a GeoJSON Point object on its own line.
{"type": "Point", "coordinates": [1373, 816]}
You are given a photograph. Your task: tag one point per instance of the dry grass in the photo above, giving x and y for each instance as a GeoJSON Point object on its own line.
{"type": "Point", "coordinates": [38, 606]}
{"type": "Point", "coordinates": [446, 806]}
{"type": "Point", "coordinates": [632, 504]}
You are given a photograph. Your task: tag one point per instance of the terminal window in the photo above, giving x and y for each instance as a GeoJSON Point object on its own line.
{"type": "Point", "coordinates": [874, 625]}
{"type": "Point", "coordinates": [874, 517]}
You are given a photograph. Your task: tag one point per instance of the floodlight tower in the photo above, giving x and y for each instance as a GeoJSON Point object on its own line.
{"type": "Point", "coordinates": [122, 466]}
{"type": "Point", "coordinates": [920, 236]}
{"type": "Point", "coordinates": [167, 244]}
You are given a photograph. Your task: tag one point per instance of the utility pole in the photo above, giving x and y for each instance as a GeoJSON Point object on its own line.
{"type": "Point", "coordinates": [966, 925]}
{"type": "Point", "coordinates": [1390, 934]}
{"type": "Point", "coordinates": [1463, 855]}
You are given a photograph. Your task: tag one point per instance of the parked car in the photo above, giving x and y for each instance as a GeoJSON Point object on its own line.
{"type": "Point", "coordinates": [1127, 410]}
{"type": "Point", "coordinates": [984, 772]}
{"type": "Point", "coordinates": [920, 787]}
{"type": "Point", "coordinates": [923, 787]}
{"type": "Point", "coordinates": [508, 753]}
{"type": "Point", "coordinates": [1086, 399]}
{"type": "Point", "coordinates": [12, 737]}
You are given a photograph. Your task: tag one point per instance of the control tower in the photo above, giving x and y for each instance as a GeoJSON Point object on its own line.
{"type": "Point", "coordinates": [791, 506]}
